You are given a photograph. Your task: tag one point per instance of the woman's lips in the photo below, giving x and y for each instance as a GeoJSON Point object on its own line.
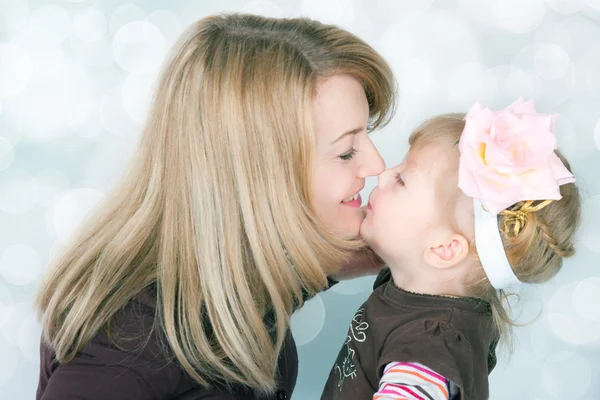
{"type": "Point", "coordinates": [356, 203]}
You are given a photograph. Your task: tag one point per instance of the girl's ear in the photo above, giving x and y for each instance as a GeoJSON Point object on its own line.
{"type": "Point", "coordinates": [448, 252]}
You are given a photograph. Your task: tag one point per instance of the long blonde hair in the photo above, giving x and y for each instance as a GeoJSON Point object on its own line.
{"type": "Point", "coordinates": [217, 199]}
{"type": "Point", "coordinates": [536, 254]}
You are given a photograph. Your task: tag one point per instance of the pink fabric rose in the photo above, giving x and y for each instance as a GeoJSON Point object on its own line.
{"type": "Point", "coordinates": [508, 156]}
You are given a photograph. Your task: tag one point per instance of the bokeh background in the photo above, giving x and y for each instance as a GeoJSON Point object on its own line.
{"type": "Point", "coordinates": [76, 77]}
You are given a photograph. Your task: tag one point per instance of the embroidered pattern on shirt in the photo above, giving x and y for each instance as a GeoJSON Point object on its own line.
{"type": "Point", "coordinates": [344, 365]}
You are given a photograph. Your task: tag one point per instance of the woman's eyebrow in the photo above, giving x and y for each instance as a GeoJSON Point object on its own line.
{"type": "Point", "coordinates": [350, 132]}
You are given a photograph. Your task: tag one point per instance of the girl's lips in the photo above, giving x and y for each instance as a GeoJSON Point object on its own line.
{"type": "Point", "coordinates": [356, 203]}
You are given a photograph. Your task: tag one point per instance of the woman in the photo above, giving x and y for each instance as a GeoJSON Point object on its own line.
{"type": "Point", "coordinates": [239, 204]}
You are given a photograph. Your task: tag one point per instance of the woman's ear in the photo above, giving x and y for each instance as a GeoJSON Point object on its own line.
{"type": "Point", "coordinates": [448, 252]}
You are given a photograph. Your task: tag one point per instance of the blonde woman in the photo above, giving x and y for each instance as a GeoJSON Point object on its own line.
{"type": "Point", "coordinates": [239, 204]}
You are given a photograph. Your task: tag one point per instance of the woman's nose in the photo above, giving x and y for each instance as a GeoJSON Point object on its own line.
{"type": "Point", "coordinates": [372, 164]}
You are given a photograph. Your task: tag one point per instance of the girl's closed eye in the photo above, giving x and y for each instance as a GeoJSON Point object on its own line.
{"type": "Point", "coordinates": [399, 179]}
{"type": "Point", "coordinates": [348, 155]}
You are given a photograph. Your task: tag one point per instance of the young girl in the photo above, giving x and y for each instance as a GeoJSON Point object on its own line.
{"type": "Point", "coordinates": [481, 203]}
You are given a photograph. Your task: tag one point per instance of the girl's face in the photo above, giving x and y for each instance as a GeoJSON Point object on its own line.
{"type": "Point", "coordinates": [403, 209]}
{"type": "Point", "coordinates": [345, 154]}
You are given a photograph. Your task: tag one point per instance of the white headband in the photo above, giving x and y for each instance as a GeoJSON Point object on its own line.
{"type": "Point", "coordinates": [491, 250]}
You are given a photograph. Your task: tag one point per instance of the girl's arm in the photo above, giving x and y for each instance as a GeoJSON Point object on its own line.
{"type": "Point", "coordinates": [409, 381]}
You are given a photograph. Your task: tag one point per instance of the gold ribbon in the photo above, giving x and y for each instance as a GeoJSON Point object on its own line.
{"type": "Point", "coordinates": [518, 218]}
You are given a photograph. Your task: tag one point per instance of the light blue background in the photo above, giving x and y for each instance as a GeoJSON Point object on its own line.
{"type": "Point", "coordinates": [74, 83]}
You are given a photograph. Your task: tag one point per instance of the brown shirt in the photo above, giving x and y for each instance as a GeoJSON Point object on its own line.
{"type": "Point", "coordinates": [138, 369]}
{"type": "Point", "coordinates": [452, 336]}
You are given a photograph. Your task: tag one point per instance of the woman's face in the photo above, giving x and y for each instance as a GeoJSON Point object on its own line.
{"type": "Point", "coordinates": [345, 154]}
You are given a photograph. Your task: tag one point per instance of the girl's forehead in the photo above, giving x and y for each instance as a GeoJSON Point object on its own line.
{"type": "Point", "coordinates": [431, 160]}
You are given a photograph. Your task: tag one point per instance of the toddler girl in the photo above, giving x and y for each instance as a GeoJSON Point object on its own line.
{"type": "Point", "coordinates": [481, 203]}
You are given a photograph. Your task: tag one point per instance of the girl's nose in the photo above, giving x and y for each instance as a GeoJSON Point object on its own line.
{"type": "Point", "coordinates": [384, 178]}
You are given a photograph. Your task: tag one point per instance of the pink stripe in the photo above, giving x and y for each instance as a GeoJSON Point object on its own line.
{"type": "Point", "coordinates": [416, 396]}
{"type": "Point", "coordinates": [426, 370]}
{"type": "Point", "coordinates": [390, 390]}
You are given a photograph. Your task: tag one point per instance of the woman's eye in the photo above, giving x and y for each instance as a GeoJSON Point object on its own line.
{"type": "Point", "coordinates": [348, 156]}
{"type": "Point", "coordinates": [399, 179]}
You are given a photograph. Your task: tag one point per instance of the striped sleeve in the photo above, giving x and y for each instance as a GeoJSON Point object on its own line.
{"type": "Point", "coordinates": [411, 381]}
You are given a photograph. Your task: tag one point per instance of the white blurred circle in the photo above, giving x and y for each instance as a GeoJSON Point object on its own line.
{"type": "Point", "coordinates": [103, 175]}
{"type": "Point", "coordinates": [417, 77]}
{"type": "Point", "coordinates": [586, 299]}
{"type": "Point", "coordinates": [562, 370]}
{"type": "Point", "coordinates": [95, 54]}
{"type": "Point", "coordinates": [419, 38]}
{"type": "Point", "coordinates": [404, 8]}
{"type": "Point", "coordinates": [10, 331]}
{"type": "Point", "coordinates": [18, 191]}
{"type": "Point", "coordinates": [519, 16]}
{"type": "Point", "coordinates": [30, 332]}
{"type": "Point", "coordinates": [558, 91]}
{"type": "Point", "coordinates": [168, 23]}
{"type": "Point", "coordinates": [263, 7]}
{"type": "Point", "coordinates": [566, 137]}
{"type": "Point", "coordinates": [92, 127]}
{"type": "Point", "coordinates": [72, 209]}
{"type": "Point", "coordinates": [11, 128]}
{"type": "Point", "coordinates": [45, 51]}
{"type": "Point", "coordinates": [7, 154]}
{"type": "Point", "coordinates": [114, 117]}
{"type": "Point", "coordinates": [137, 94]}
{"type": "Point", "coordinates": [53, 19]}
{"type": "Point", "coordinates": [125, 14]}
{"type": "Point", "coordinates": [52, 184]}
{"type": "Point", "coordinates": [479, 11]}
{"type": "Point", "coordinates": [15, 70]}
{"type": "Point", "coordinates": [472, 82]}
{"type": "Point", "coordinates": [590, 229]}
{"type": "Point", "coordinates": [138, 47]}
{"type": "Point", "coordinates": [10, 361]}
{"type": "Point", "coordinates": [587, 74]}
{"type": "Point", "coordinates": [565, 6]}
{"type": "Point", "coordinates": [338, 12]}
{"type": "Point", "coordinates": [6, 305]}
{"type": "Point", "coordinates": [89, 25]}
{"type": "Point", "coordinates": [514, 82]}
{"type": "Point", "coordinates": [50, 107]}
{"type": "Point", "coordinates": [543, 341]}
{"type": "Point", "coordinates": [354, 286]}
{"type": "Point", "coordinates": [551, 61]}
{"type": "Point", "coordinates": [20, 264]}
{"type": "Point", "coordinates": [580, 30]}
{"type": "Point", "coordinates": [597, 134]}
{"type": "Point", "coordinates": [56, 250]}
{"type": "Point", "coordinates": [595, 4]}
{"type": "Point", "coordinates": [552, 32]}
{"type": "Point", "coordinates": [13, 15]}
{"type": "Point", "coordinates": [308, 322]}
{"type": "Point", "coordinates": [566, 321]}
{"type": "Point", "coordinates": [554, 76]}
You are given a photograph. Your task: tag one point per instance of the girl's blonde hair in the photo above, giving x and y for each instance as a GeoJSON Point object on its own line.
{"type": "Point", "coordinates": [217, 199]}
{"type": "Point", "coordinates": [536, 254]}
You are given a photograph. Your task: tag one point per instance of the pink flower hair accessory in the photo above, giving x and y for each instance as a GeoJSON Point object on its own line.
{"type": "Point", "coordinates": [506, 157]}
